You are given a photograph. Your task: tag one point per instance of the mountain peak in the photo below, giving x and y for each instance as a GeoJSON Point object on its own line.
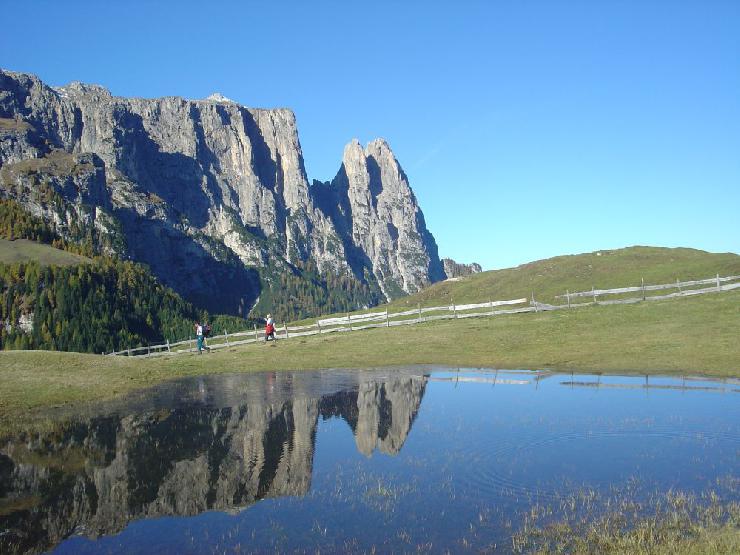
{"type": "Point", "coordinates": [378, 144]}
{"type": "Point", "coordinates": [385, 220]}
{"type": "Point", "coordinates": [77, 87]}
{"type": "Point", "coordinates": [218, 97]}
{"type": "Point", "coordinates": [377, 148]}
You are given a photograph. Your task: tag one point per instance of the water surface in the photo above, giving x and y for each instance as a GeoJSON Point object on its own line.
{"type": "Point", "coordinates": [396, 459]}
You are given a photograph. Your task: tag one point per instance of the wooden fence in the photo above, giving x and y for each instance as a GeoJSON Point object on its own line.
{"type": "Point", "coordinates": [380, 319]}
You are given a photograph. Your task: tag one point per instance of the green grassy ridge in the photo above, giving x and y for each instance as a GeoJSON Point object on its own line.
{"type": "Point", "coordinates": [604, 269]}
{"type": "Point", "coordinates": [686, 336]}
{"type": "Point", "coordinates": [23, 250]}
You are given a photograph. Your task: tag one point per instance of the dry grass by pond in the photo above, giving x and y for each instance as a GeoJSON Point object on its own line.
{"type": "Point", "coordinates": [679, 524]}
{"type": "Point", "coordinates": [677, 337]}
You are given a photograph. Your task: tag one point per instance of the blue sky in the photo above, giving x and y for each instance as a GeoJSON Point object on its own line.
{"type": "Point", "coordinates": [527, 129]}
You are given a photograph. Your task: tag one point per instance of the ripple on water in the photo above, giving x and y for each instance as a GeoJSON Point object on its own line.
{"type": "Point", "coordinates": [504, 470]}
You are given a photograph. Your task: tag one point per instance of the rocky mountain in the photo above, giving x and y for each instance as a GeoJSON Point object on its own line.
{"type": "Point", "coordinates": [374, 210]}
{"type": "Point", "coordinates": [454, 269]}
{"type": "Point", "coordinates": [213, 196]}
{"type": "Point", "coordinates": [234, 441]}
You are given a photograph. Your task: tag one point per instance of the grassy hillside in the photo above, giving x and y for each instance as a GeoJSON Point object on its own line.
{"type": "Point", "coordinates": [602, 269]}
{"type": "Point", "coordinates": [696, 335]}
{"type": "Point", "coordinates": [23, 250]}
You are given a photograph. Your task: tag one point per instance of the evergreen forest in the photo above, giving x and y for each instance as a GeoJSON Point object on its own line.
{"type": "Point", "coordinates": [104, 305]}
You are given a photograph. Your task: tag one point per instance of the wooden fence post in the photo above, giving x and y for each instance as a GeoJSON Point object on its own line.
{"type": "Point", "coordinates": [255, 332]}
{"type": "Point", "coordinates": [534, 302]}
{"type": "Point", "coordinates": [593, 292]}
{"type": "Point", "coordinates": [419, 305]}
{"type": "Point", "coordinates": [129, 351]}
{"type": "Point", "coordinates": [643, 288]}
{"type": "Point", "coordinates": [719, 287]}
{"type": "Point", "coordinates": [147, 349]}
{"type": "Point", "coordinates": [349, 322]}
{"type": "Point", "coordinates": [490, 305]}
{"type": "Point", "coordinates": [285, 327]}
{"type": "Point", "coordinates": [226, 333]}
{"type": "Point", "coordinates": [454, 308]}
{"type": "Point", "coordinates": [318, 323]}
{"type": "Point", "coordinates": [168, 346]}
{"type": "Point", "coordinates": [190, 343]}
{"type": "Point", "coordinates": [387, 323]}
{"type": "Point", "coordinates": [678, 284]}
{"type": "Point", "coordinates": [567, 294]}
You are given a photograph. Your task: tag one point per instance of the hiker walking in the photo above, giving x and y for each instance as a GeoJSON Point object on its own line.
{"type": "Point", "coordinates": [206, 335]}
{"type": "Point", "coordinates": [201, 332]}
{"type": "Point", "coordinates": [199, 336]}
{"type": "Point", "coordinates": [270, 329]}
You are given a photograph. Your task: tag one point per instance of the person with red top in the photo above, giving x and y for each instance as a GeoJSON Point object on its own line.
{"type": "Point", "coordinates": [270, 329]}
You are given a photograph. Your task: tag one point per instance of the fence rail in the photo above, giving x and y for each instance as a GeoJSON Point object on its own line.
{"type": "Point", "coordinates": [676, 285]}
{"type": "Point", "coordinates": [378, 319]}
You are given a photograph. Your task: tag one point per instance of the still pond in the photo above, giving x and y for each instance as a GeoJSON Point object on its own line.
{"type": "Point", "coordinates": [396, 459]}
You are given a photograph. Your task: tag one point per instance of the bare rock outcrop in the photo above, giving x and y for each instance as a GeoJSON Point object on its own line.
{"type": "Point", "coordinates": [455, 269]}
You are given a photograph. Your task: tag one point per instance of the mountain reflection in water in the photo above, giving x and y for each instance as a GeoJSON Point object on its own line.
{"type": "Point", "coordinates": [193, 445]}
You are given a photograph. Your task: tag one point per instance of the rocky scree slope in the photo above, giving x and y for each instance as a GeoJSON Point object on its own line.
{"type": "Point", "coordinates": [212, 195]}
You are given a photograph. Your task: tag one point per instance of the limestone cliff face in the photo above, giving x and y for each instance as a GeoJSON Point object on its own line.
{"type": "Point", "coordinates": [371, 202]}
{"type": "Point", "coordinates": [198, 185]}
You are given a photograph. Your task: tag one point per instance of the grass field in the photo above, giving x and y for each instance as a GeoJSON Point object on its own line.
{"type": "Point", "coordinates": [23, 250]}
{"type": "Point", "coordinates": [680, 336]}
{"type": "Point", "coordinates": [601, 269]}
{"type": "Point", "coordinates": [579, 272]}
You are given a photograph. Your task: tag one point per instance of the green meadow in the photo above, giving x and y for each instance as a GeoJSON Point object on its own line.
{"type": "Point", "coordinates": [684, 336]}
{"type": "Point", "coordinates": [23, 250]}
{"type": "Point", "coordinates": [549, 280]}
